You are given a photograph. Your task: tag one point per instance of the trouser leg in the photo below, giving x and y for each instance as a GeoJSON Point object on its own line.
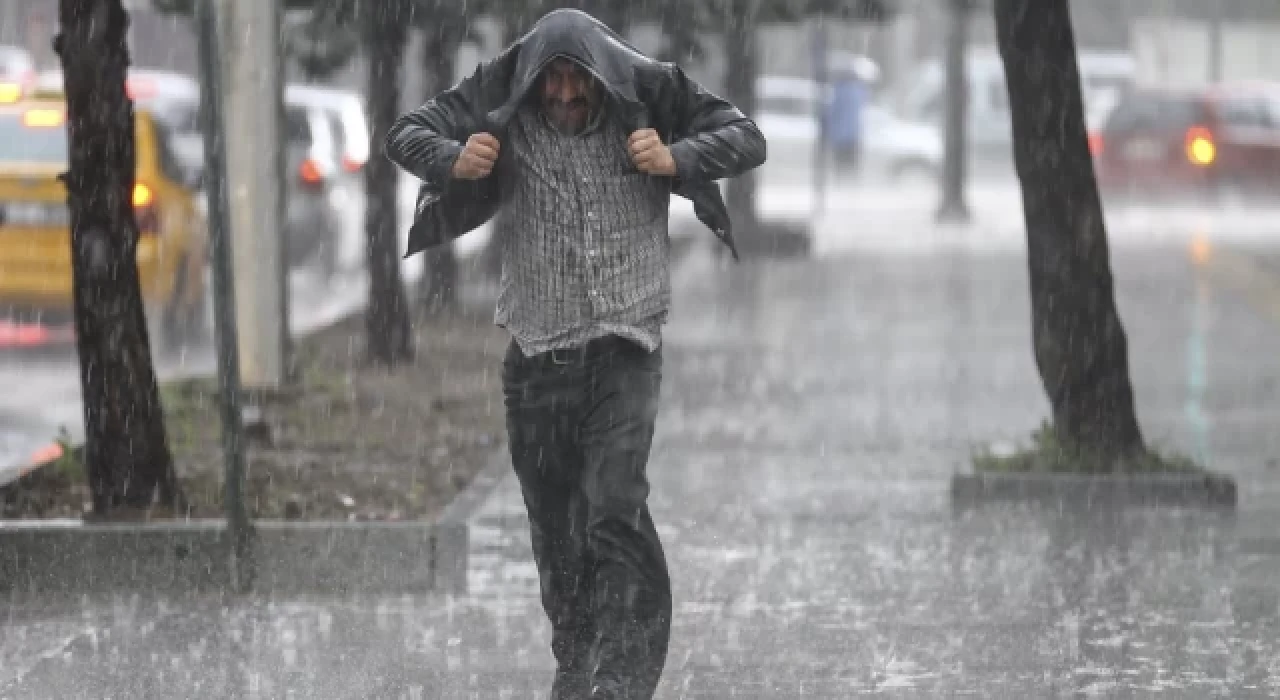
{"type": "Point", "coordinates": [542, 434]}
{"type": "Point", "coordinates": [632, 588]}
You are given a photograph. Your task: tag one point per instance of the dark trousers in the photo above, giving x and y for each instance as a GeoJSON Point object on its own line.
{"type": "Point", "coordinates": [580, 424]}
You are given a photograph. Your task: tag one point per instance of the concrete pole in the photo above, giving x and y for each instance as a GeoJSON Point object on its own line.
{"type": "Point", "coordinates": [250, 32]}
{"type": "Point", "coordinates": [214, 129]}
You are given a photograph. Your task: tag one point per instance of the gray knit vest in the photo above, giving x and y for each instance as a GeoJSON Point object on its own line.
{"type": "Point", "coordinates": [583, 235]}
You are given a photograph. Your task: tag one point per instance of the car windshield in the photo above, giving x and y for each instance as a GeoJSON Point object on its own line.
{"type": "Point", "coordinates": [1154, 111]}
{"type": "Point", "coordinates": [33, 136]}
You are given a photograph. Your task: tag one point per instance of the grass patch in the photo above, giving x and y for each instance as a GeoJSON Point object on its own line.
{"type": "Point", "coordinates": [69, 466]}
{"type": "Point", "coordinates": [1048, 455]}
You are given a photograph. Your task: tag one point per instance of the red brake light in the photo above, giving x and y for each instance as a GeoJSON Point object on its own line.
{"type": "Point", "coordinates": [1095, 144]}
{"type": "Point", "coordinates": [22, 334]}
{"type": "Point", "coordinates": [351, 165]}
{"type": "Point", "coordinates": [309, 172]}
{"type": "Point", "coordinates": [139, 88]}
{"type": "Point", "coordinates": [1200, 147]}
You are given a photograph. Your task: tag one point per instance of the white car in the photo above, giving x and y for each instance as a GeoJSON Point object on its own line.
{"type": "Point", "coordinates": [349, 130]}
{"type": "Point", "coordinates": [901, 150]}
{"type": "Point", "coordinates": [788, 112]}
{"type": "Point", "coordinates": [346, 109]}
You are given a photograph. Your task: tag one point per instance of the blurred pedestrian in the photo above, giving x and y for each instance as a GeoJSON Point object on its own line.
{"type": "Point", "coordinates": [577, 140]}
{"type": "Point", "coordinates": [844, 128]}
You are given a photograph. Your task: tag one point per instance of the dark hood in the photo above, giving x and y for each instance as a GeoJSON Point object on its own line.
{"type": "Point", "coordinates": [582, 38]}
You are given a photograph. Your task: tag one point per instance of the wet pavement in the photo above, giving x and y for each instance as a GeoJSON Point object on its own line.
{"type": "Point", "coordinates": [814, 412]}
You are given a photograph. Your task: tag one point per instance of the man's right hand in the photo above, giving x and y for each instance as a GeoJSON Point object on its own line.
{"type": "Point", "coordinates": [477, 157]}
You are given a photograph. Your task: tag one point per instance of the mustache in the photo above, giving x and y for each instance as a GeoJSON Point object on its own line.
{"type": "Point", "coordinates": [565, 104]}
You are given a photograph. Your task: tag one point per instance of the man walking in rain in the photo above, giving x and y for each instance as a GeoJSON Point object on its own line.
{"type": "Point", "coordinates": [572, 141]}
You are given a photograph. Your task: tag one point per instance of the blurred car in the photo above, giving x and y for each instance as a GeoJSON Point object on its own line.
{"type": "Point", "coordinates": [901, 150]}
{"type": "Point", "coordinates": [345, 110]}
{"type": "Point", "coordinates": [1213, 143]}
{"type": "Point", "coordinates": [990, 131]}
{"type": "Point", "coordinates": [350, 130]}
{"type": "Point", "coordinates": [312, 216]}
{"type": "Point", "coordinates": [171, 98]}
{"type": "Point", "coordinates": [35, 250]}
{"type": "Point", "coordinates": [787, 112]}
{"type": "Point", "coordinates": [17, 74]}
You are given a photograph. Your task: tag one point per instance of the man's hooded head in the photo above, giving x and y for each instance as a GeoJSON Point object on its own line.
{"type": "Point", "coordinates": [563, 59]}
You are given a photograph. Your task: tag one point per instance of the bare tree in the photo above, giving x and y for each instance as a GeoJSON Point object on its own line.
{"type": "Point", "coordinates": [390, 341]}
{"type": "Point", "coordinates": [1080, 345]}
{"type": "Point", "coordinates": [444, 30]}
{"type": "Point", "coordinates": [126, 449]}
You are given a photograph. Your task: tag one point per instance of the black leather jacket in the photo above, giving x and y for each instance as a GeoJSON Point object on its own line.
{"type": "Point", "coordinates": [709, 138]}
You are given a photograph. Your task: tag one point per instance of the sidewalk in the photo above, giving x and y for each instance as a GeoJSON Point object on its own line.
{"type": "Point", "coordinates": [813, 414]}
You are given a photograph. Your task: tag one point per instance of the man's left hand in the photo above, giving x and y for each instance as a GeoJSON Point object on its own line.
{"type": "Point", "coordinates": [650, 154]}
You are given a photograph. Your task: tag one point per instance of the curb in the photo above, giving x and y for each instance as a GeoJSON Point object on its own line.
{"type": "Point", "coordinates": [452, 543]}
{"type": "Point", "coordinates": [286, 557]}
{"type": "Point", "coordinates": [1214, 491]}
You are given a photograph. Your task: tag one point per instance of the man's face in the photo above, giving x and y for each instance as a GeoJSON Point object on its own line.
{"type": "Point", "coordinates": [569, 94]}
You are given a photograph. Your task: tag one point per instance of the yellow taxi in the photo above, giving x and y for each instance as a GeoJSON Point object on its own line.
{"type": "Point", "coordinates": [35, 250]}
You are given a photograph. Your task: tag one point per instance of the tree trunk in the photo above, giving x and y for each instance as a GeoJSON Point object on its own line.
{"type": "Point", "coordinates": [438, 285]}
{"type": "Point", "coordinates": [1080, 345]}
{"type": "Point", "coordinates": [389, 338]}
{"type": "Point", "coordinates": [682, 29]}
{"type": "Point", "coordinates": [127, 454]}
{"type": "Point", "coordinates": [742, 61]}
{"type": "Point", "coordinates": [955, 166]}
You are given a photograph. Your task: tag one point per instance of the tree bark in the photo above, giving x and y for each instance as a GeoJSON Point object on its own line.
{"type": "Point", "coordinates": [742, 61]}
{"type": "Point", "coordinates": [1079, 342]}
{"type": "Point", "coordinates": [389, 339]}
{"type": "Point", "coordinates": [126, 451]}
{"type": "Point", "coordinates": [438, 285]}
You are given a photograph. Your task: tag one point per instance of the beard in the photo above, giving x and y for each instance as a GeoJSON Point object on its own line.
{"type": "Point", "coordinates": [568, 116]}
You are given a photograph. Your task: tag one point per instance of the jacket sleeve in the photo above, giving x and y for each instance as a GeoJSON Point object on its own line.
{"type": "Point", "coordinates": [426, 141]}
{"type": "Point", "coordinates": [714, 139]}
